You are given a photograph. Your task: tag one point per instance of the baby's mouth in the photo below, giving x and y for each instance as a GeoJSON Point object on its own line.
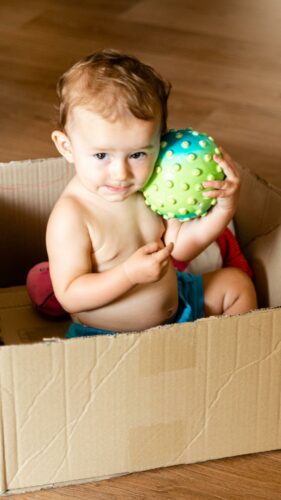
{"type": "Point", "coordinates": [118, 188]}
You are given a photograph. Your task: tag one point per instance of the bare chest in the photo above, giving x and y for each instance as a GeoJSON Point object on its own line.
{"type": "Point", "coordinates": [118, 232]}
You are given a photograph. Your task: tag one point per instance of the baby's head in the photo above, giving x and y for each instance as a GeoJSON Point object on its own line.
{"type": "Point", "coordinates": [113, 109]}
{"type": "Point", "coordinates": [112, 84]}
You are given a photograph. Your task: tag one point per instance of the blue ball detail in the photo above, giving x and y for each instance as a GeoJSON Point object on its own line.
{"type": "Point", "coordinates": [185, 161]}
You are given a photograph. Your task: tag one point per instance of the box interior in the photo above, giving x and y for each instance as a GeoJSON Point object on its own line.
{"type": "Point", "coordinates": [29, 190]}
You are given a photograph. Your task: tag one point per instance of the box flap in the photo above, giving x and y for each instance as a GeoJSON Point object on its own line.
{"type": "Point", "coordinates": [29, 190]}
{"type": "Point", "coordinates": [264, 252]}
{"type": "Point", "coordinates": [259, 209]}
{"type": "Point", "coordinates": [93, 407]}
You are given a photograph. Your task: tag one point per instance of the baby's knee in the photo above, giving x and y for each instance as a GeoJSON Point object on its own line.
{"type": "Point", "coordinates": [234, 275]}
{"type": "Point", "coordinates": [238, 278]}
{"type": "Point", "coordinates": [228, 291]}
{"type": "Point", "coordinates": [242, 286]}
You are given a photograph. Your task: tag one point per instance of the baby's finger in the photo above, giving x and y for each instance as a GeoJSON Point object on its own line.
{"type": "Point", "coordinates": [151, 247]}
{"type": "Point", "coordinates": [228, 166]}
{"type": "Point", "coordinates": [216, 193]}
{"type": "Point", "coordinates": [226, 156]}
{"type": "Point", "coordinates": [219, 189]}
{"type": "Point", "coordinates": [215, 184]}
{"type": "Point", "coordinates": [164, 264]}
{"type": "Point", "coordinates": [164, 253]}
{"type": "Point", "coordinates": [227, 188]}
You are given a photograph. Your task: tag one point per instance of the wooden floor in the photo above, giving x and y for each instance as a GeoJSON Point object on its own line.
{"type": "Point", "coordinates": [223, 59]}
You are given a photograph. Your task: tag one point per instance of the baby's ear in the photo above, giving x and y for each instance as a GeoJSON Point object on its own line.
{"type": "Point", "coordinates": [63, 144]}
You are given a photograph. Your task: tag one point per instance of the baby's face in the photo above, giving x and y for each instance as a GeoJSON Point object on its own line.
{"type": "Point", "coordinates": [113, 159]}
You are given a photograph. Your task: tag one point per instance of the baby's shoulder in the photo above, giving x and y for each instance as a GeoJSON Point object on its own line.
{"type": "Point", "coordinates": [66, 215]}
{"type": "Point", "coordinates": [67, 203]}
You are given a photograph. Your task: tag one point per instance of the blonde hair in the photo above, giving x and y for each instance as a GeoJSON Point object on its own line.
{"type": "Point", "coordinates": [110, 82]}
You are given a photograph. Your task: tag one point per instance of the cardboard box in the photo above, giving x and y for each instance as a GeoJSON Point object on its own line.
{"type": "Point", "coordinates": [84, 409]}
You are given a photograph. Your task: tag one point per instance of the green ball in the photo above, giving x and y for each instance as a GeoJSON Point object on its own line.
{"type": "Point", "coordinates": [185, 161]}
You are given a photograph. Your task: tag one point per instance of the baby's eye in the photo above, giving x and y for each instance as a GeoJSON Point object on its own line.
{"type": "Point", "coordinates": [138, 155]}
{"type": "Point", "coordinates": [100, 156]}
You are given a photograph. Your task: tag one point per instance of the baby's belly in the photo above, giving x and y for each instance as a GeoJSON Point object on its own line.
{"type": "Point", "coordinates": [142, 307]}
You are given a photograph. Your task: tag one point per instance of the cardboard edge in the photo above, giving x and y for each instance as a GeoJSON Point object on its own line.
{"type": "Point", "coordinates": [77, 482]}
{"type": "Point", "coordinates": [33, 489]}
{"type": "Point", "coordinates": [149, 331]}
{"type": "Point", "coordinates": [28, 161]}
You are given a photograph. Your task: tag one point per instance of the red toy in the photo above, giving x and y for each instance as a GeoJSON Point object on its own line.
{"type": "Point", "coordinates": [40, 290]}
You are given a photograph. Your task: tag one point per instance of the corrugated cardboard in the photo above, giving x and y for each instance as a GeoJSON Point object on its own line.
{"type": "Point", "coordinates": [83, 409]}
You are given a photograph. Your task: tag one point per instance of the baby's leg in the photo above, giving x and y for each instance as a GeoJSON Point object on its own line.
{"type": "Point", "coordinates": [228, 291]}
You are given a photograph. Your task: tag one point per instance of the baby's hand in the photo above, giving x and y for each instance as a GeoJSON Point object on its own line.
{"type": "Point", "coordinates": [226, 191]}
{"type": "Point", "coordinates": [149, 263]}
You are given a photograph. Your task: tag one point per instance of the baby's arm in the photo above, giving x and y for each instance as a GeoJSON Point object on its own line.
{"type": "Point", "coordinates": [70, 251]}
{"type": "Point", "coordinates": [192, 237]}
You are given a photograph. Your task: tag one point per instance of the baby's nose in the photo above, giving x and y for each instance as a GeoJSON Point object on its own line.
{"type": "Point", "coordinates": [120, 169]}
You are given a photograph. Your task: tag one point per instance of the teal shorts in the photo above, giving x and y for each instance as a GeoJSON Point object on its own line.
{"type": "Point", "coordinates": [191, 306]}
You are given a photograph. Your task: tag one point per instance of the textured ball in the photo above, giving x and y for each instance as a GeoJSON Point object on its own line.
{"type": "Point", "coordinates": [185, 161]}
{"type": "Point", "coordinates": [41, 293]}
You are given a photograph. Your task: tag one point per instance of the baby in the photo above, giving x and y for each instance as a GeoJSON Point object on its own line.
{"type": "Point", "coordinates": [109, 254]}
